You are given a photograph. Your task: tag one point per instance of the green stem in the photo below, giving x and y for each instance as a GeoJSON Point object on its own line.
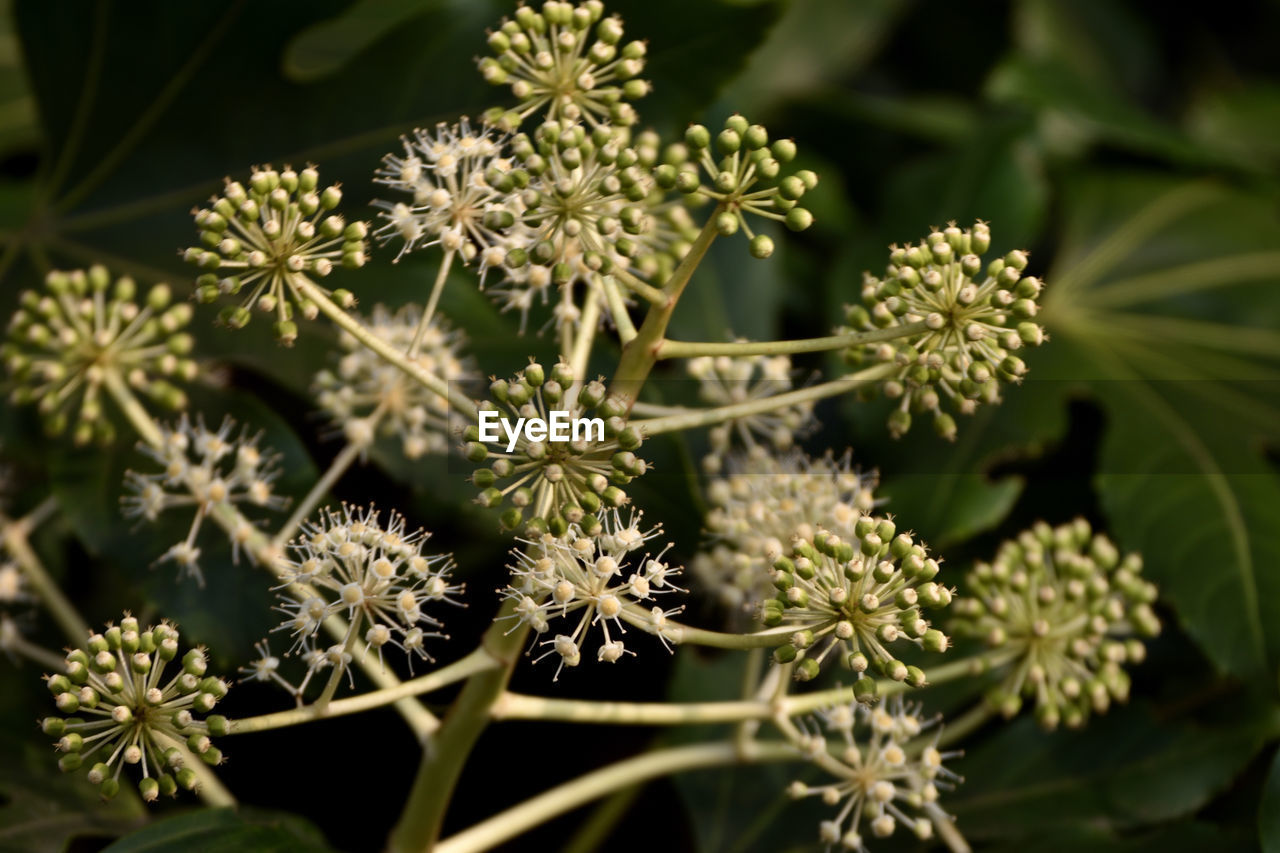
{"type": "Point", "coordinates": [14, 535]}
{"type": "Point", "coordinates": [432, 302]}
{"type": "Point", "coordinates": [339, 669]}
{"type": "Point", "coordinates": [719, 414]}
{"type": "Point", "coordinates": [587, 326]}
{"type": "Point", "coordinates": [478, 661]}
{"type": "Point", "coordinates": [336, 469]}
{"type": "Point", "coordinates": [386, 351]}
{"type": "Point", "coordinates": [584, 789]}
{"type": "Point", "coordinates": [592, 832]}
{"type": "Point", "coordinates": [618, 310]}
{"type": "Point", "coordinates": [966, 724]}
{"type": "Point", "coordinates": [133, 410]}
{"type": "Point", "coordinates": [442, 761]}
{"type": "Point", "coordinates": [687, 635]}
{"type": "Point", "coordinates": [640, 288]}
{"type": "Point", "coordinates": [689, 349]}
{"type": "Point", "coordinates": [640, 353]}
{"type": "Point", "coordinates": [38, 654]}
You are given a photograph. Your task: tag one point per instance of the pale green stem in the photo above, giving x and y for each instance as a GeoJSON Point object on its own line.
{"type": "Point", "coordinates": [432, 301]}
{"type": "Point", "coordinates": [422, 721]}
{"type": "Point", "coordinates": [339, 669]}
{"type": "Point", "coordinates": [593, 831]}
{"type": "Point", "coordinates": [690, 349]}
{"type": "Point", "coordinates": [584, 789]}
{"type": "Point", "coordinates": [312, 499]}
{"type": "Point", "coordinates": [687, 635]}
{"type": "Point", "coordinates": [643, 289]}
{"type": "Point", "coordinates": [719, 414]}
{"type": "Point", "coordinates": [588, 323]}
{"type": "Point", "coordinates": [18, 644]}
{"type": "Point", "coordinates": [478, 661]}
{"type": "Point", "coordinates": [386, 351]}
{"type": "Point", "coordinates": [618, 310]}
{"type": "Point", "coordinates": [957, 729]}
{"type": "Point", "coordinates": [208, 785]}
{"type": "Point", "coordinates": [14, 535]}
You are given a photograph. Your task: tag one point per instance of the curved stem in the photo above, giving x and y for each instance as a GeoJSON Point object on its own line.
{"type": "Point", "coordinates": [689, 349]}
{"type": "Point", "coordinates": [584, 789]}
{"type": "Point", "coordinates": [478, 661]}
{"type": "Point", "coordinates": [719, 414]}
{"type": "Point", "coordinates": [618, 310]}
{"type": "Point", "coordinates": [430, 311]}
{"type": "Point", "coordinates": [14, 536]}
{"type": "Point", "coordinates": [339, 669]}
{"type": "Point", "coordinates": [336, 469]}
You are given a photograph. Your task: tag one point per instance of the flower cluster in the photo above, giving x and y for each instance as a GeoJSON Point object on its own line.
{"type": "Point", "coordinates": [273, 239]}
{"type": "Point", "coordinates": [1060, 607]}
{"type": "Point", "coordinates": [725, 380]}
{"type": "Point", "coordinates": [761, 504]}
{"type": "Point", "coordinates": [366, 395]}
{"type": "Point", "coordinates": [205, 469]}
{"type": "Point", "coordinates": [550, 61]}
{"type": "Point", "coordinates": [884, 776]}
{"type": "Point", "coordinates": [460, 185]}
{"type": "Point", "coordinates": [593, 579]}
{"type": "Point", "coordinates": [548, 484]}
{"type": "Point", "coordinates": [747, 179]}
{"type": "Point", "coordinates": [857, 598]}
{"type": "Point", "coordinates": [85, 334]}
{"type": "Point", "coordinates": [374, 574]}
{"type": "Point", "coordinates": [969, 321]}
{"type": "Point", "coordinates": [118, 707]}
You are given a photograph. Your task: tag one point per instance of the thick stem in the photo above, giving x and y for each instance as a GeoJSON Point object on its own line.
{"type": "Point", "coordinates": [478, 661]}
{"type": "Point", "coordinates": [719, 414]}
{"type": "Point", "coordinates": [640, 353]}
{"type": "Point", "coordinates": [386, 351]}
{"type": "Point", "coordinates": [686, 635]}
{"type": "Point", "coordinates": [587, 326]}
{"type": "Point", "coordinates": [689, 349]}
{"type": "Point", "coordinates": [618, 310]}
{"type": "Point", "coordinates": [444, 757]}
{"type": "Point", "coordinates": [584, 789]}
{"type": "Point", "coordinates": [14, 535]}
{"type": "Point", "coordinates": [336, 469]}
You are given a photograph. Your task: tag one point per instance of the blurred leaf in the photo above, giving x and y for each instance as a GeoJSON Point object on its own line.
{"type": "Point", "coordinates": [17, 107]}
{"type": "Point", "coordinates": [950, 507]}
{"type": "Point", "coordinates": [43, 810]}
{"type": "Point", "coordinates": [1269, 809]}
{"type": "Point", "coordinates": [1155, 299]}
{"type": "Point", "coordinates": [1125, 769]}
{"type": "Point", "coordinates": [224, 831]}
{"type": "Point", "coordinates": [1242, 122]}
{"type": "Point", "coordinates": [1189, 836]}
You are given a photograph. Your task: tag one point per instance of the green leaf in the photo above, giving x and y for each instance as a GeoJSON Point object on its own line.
{"type": "Point", "coordinates": [1269, 809]}
{"type": "Point", "coordinates": [1126, 769]}
{"type": "Point", "coordinates": [224, 831]}
{"type": "Point", "coordinates": [950, 508]}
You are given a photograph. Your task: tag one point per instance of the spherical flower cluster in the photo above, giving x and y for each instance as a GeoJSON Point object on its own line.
{"type": "Point", "coordinates": [204, 469]}
{"type": "Point", "coordinates": [460, 184]}
{"type": "Point", "coordinates": [374, 574]}
{"type": "Point", "coordinates": [366, 396]}
{"type": "Point", "coordinates": [761, 504]}
{"type": "Point", "coordinates": [857, 597]}
{"type": "Point", "coordinates": [885, 778]}
{"type": "Point", "coordinates": [969, 321]}
{"type": "Point", "coordinates": [84, 334]}
{"type": "Point", "coordinates": [747, 179]}
{"type": "Point", "coordinates": [548, 484]}
{"type": "Point", "coordinates": [725, 380]}
{"type": "Point", "coordinates": [1060, 607]}
{"type": "Point", "coordinates": [118, 707]}
{"type": "Point", "coordinates": [273, 239]}
{"type": "Point", "coordinates": [593, 579]}
{"type": "Point", "coordinates": [550, 61]}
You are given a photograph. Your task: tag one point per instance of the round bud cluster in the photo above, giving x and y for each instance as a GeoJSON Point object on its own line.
{"type": "Point", "coordinates": [84, 332]}
{"type": "Point", "coordinates": [970, 320]}
{"type": "Point", "coordinates": [747, 179]}
{"type": "Point", "coordinates": [761, 504]}
{"type": "Point", "coordinates": [548, 484]}
{"type": "Point", "coordinates": [857, 598]}
{"type": "Point", "coordinates": [551, 60]}
{"type": "Point", "coordinates": [270, 240]}
{"type": "Point", "coordinates": [375, 575]}
{"type": "Point", "coordinates": [1060, 607]}
{"type": "Point", "coordinates": [889, 772]}
{"type": "Point", "coordinates": [366, 396]}
{"type": "Point", "coordinates": [117, 706]}
{"type": "Point", "coordinates": [593, 579]}
{"type": "Point", "coordinates": [204, 469]}
{"type": "Point", "coordinates": [725, 380]}
{"type": "Point", "coordinates": [459, 186]}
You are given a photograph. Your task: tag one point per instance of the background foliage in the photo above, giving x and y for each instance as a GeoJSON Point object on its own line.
{"type": "Point", "coordinates": [1135, 151]}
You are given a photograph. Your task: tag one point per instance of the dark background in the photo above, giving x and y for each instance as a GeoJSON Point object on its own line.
{"type": "Point", "coordinates": [1120, 142]}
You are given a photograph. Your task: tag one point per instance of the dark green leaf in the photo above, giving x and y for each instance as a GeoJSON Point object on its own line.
{"type": "Point", "coordinates": [224, 831]}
